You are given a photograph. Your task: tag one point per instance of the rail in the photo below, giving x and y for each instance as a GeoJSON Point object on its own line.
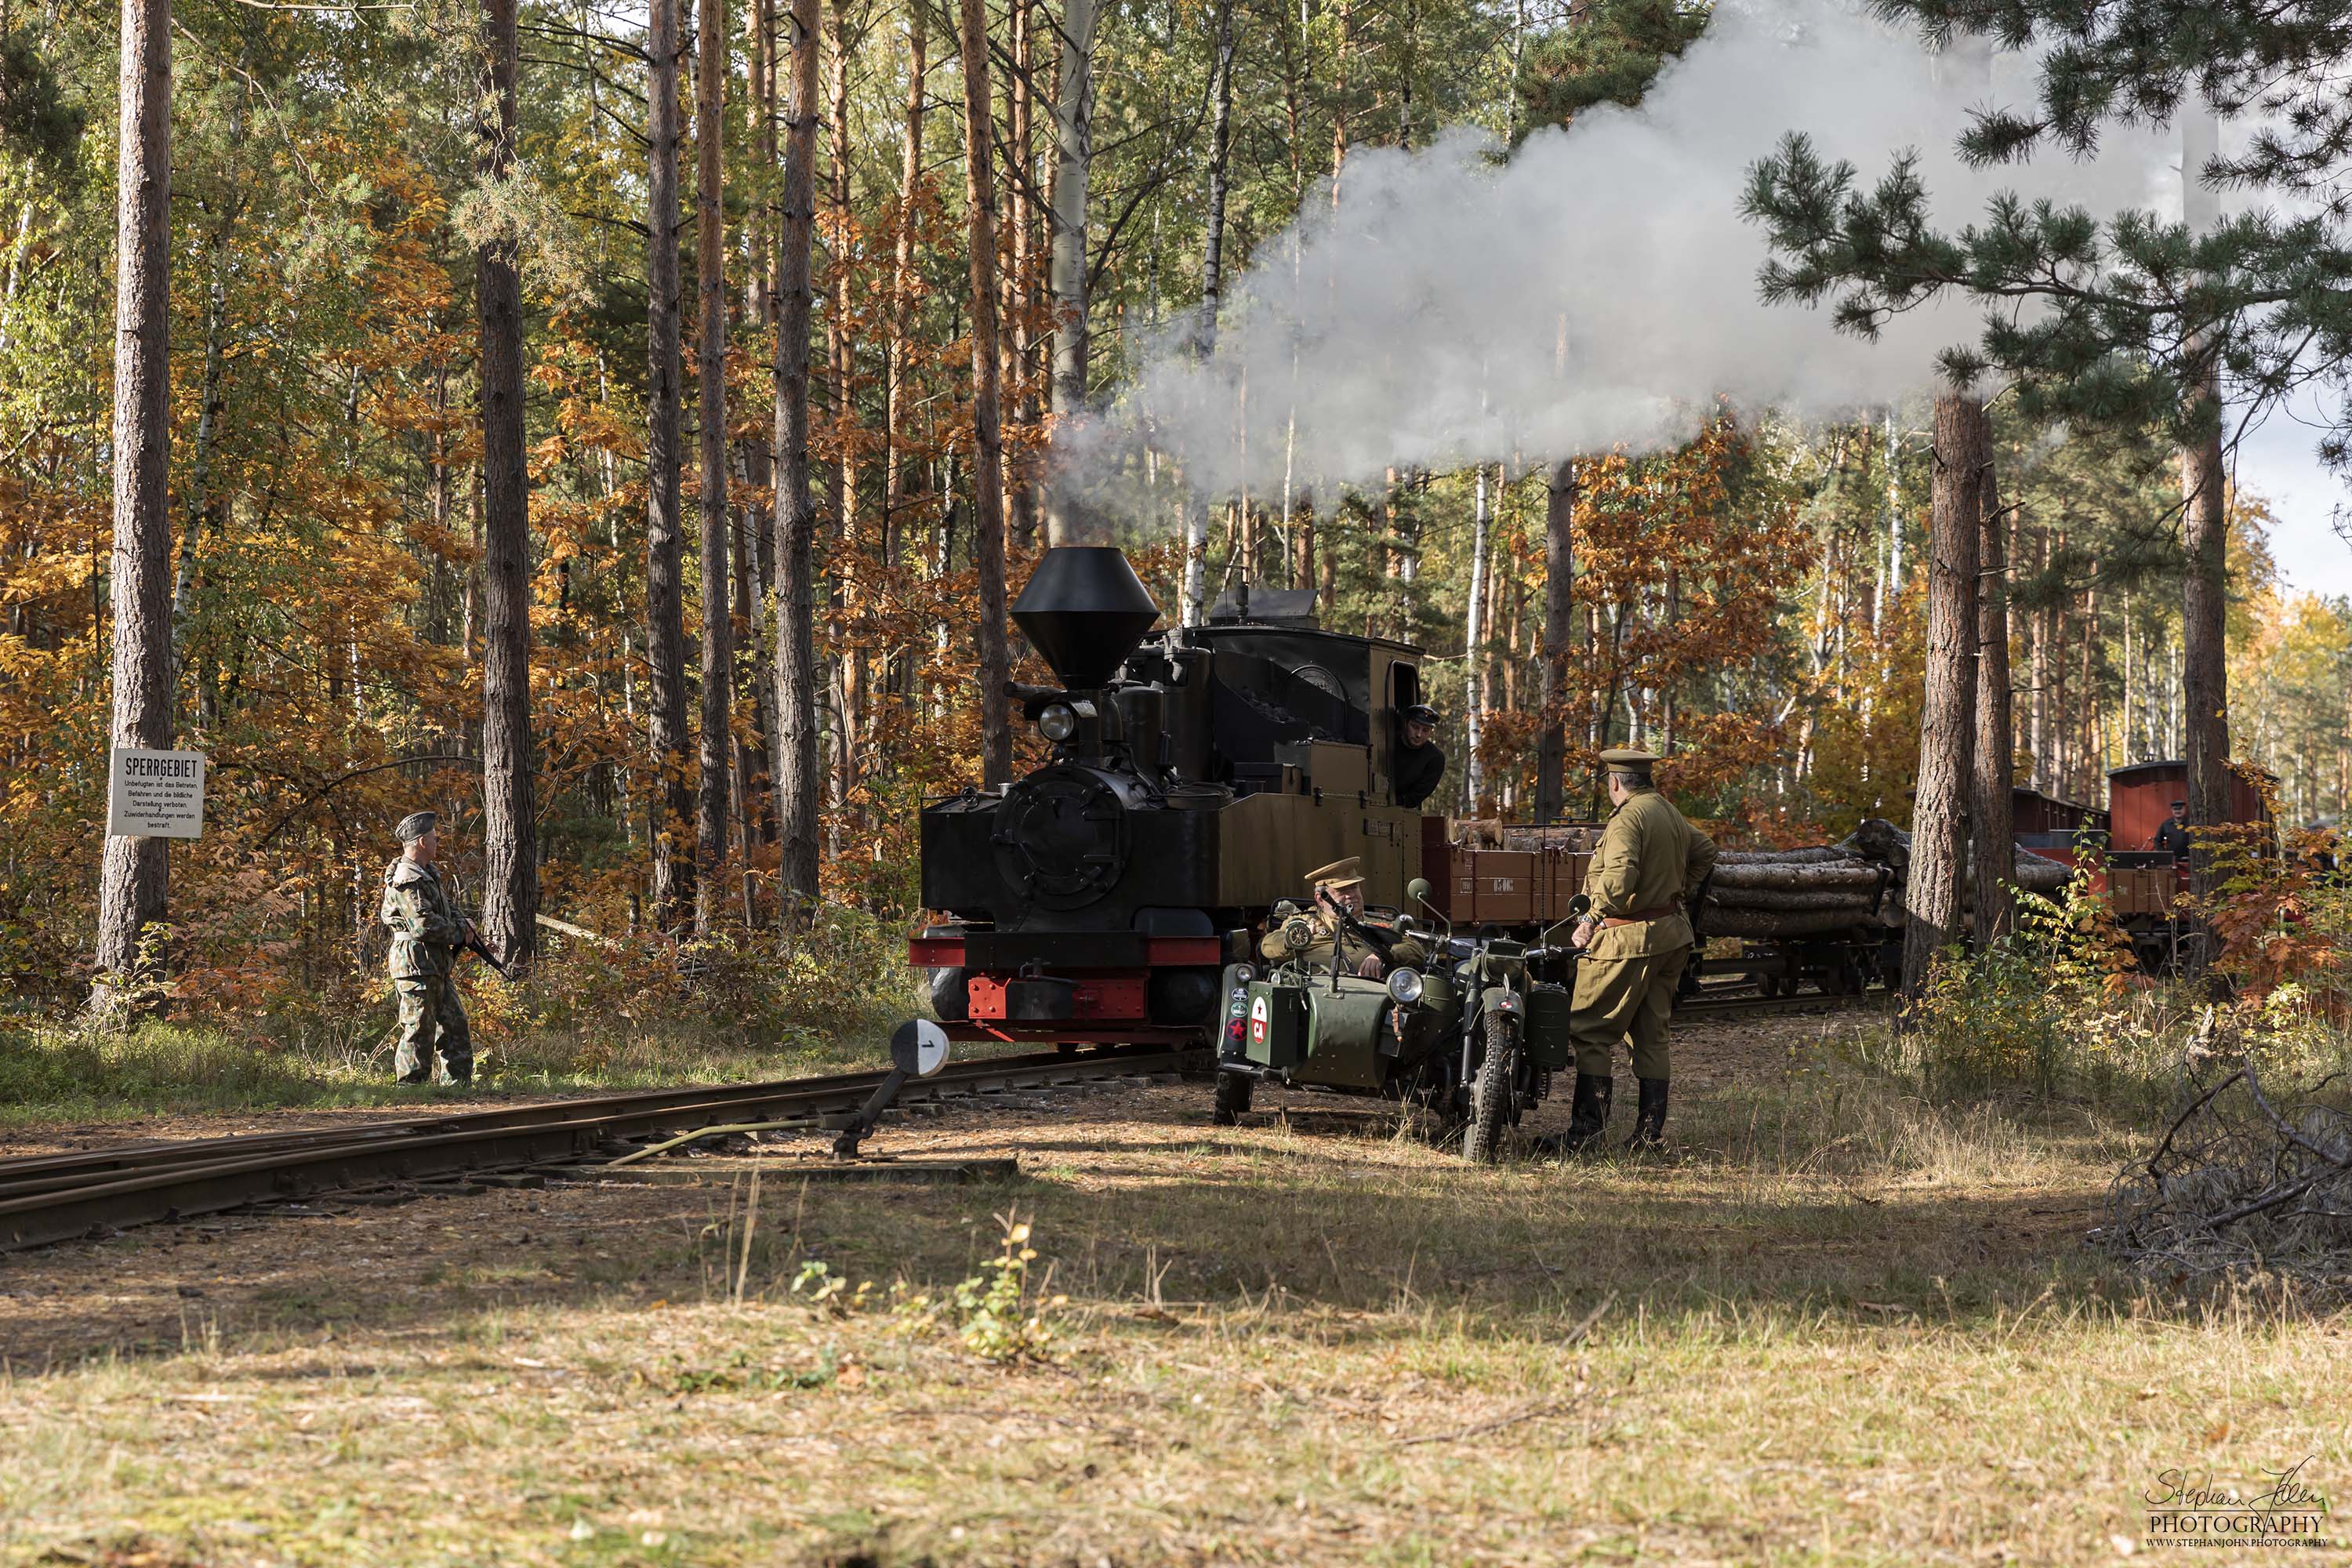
{"type": "Point", "coordinates": [48, 1199]}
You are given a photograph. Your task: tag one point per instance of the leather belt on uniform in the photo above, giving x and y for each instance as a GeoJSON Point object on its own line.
{"type": "Point", "coordinates": [1641, 917]}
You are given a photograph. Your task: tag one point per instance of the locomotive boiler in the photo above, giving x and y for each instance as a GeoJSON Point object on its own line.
{"type": "Point", "coordinates": [1194, 777]}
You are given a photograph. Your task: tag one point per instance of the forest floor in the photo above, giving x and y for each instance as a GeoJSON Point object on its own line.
{"type": "Point", "coordinates": [1842, 1325]}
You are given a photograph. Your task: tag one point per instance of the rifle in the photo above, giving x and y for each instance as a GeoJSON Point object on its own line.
{"type": "Point", "coordinates": [1378, 941]}
{"type": "Point", "coordinates": [481, 950]}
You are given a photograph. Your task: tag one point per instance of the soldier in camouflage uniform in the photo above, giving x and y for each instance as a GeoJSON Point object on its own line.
{"type": "Point", "coordinates": [426, 932]}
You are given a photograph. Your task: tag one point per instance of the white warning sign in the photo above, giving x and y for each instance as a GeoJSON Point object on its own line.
{"type": "Point", "coordinates": [155, 795]}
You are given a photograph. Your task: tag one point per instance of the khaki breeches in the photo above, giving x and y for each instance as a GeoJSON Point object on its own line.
{"type": "Point", "coordinates": [1620, 998]}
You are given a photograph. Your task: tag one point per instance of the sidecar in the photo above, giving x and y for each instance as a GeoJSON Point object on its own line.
{"type": "Point", "coordinates": [1474, 1037]}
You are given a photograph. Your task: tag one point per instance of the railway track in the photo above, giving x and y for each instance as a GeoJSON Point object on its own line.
{"type": "Point", "coordinates": [50, 1198]}
{"type": "Point", "coordinates": [1749, 1002]}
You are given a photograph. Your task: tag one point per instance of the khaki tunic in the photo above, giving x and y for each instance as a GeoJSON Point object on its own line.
{"type": "Point", "coordinates": [1353, 950]}
{"type": "Point", "coordinates": [1650, 856]}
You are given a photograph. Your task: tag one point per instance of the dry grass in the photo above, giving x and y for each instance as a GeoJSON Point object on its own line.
{"type": "Point", "coordinates": [1845, 1326]}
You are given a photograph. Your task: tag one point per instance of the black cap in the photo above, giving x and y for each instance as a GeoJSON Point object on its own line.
{"type": "Point", "coordinates": [1421, 713]}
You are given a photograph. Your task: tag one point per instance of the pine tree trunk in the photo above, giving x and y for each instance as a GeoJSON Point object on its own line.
{"type": "Point", "coordinates": [665, 543]}
{"type": "Point", "coordinates": [1994, 818]}
{"type": "Point", "coordinates": [841, 351]}
{"type": "Point", "coordinates": [1020, 150]}
{"type": "Point", "coordinates": [718, 639]}
{"type": "Point", "coordinates": [2204, 607]}
{"type": "Point", "coordinates": [798, 769]}
{"type": "Point", "coordinates": [133, 879]}
{"type": "Point", "coordinates": [509, 808]}
{"type": "Point", "coordinates": [896, 375]}
{"type": "Point", "coordinates": [1073, 151]}
{"type": "Point", "coordinates": [2039, 725]}
{"type": "Point", "coordinates": [753, 586]}
{"type": "Point", "coordinates": [1559, 613]}
{"type": "Point", "coordinates": [1947, 718]}
{"type": "Point", "coordinates": [2204, 600]}
{"type": "Point", "coordinates": [1473, 692]}
{"type": "Point", "coordinates": [988, 455]}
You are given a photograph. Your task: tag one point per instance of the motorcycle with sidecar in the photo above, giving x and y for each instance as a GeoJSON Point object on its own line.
{"type": "Point", "coordinates": [1474, 1036]}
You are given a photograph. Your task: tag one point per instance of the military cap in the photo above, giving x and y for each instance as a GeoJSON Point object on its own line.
{"type": "Point", "coordinates": [1421, 713]}
{"type": "Point", "coordinates": [1626, 759]}
{"type": "Point", "coordinates": [415, 826]}
{"type": "Point", "coordinates": [1338, 874]}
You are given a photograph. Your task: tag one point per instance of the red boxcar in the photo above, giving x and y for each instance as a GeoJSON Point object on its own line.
{"type": "Point", "coordinates": [2140, 797]}
{"type": "Point", "coordinates": [2050, 827]}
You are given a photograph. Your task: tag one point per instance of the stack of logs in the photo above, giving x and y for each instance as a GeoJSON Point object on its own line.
{"type": "Point", "coordinates": [1795, 892]}
{"type": "Point", "coordinates": [1834, 888]}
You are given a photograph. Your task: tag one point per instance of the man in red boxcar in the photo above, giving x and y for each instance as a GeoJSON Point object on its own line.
{"type": "Point", "coordinates": [2172, 833]}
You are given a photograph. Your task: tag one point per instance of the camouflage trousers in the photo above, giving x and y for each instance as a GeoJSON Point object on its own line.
{"type": "Point", "coordinates": [1620, 997]}
{"type": "Point", "coordinates": [433, 1019]}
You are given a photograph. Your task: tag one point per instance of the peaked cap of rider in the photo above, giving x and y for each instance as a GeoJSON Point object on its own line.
{"type": "Point", "coordinates": [1345, 873]}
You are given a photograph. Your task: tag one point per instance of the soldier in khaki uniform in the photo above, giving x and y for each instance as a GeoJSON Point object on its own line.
{"type": "Point", "coordinates": [426, 932]}
{"type": "Point", "coordinates": [1636, 940]}
{"type": "Point", "coordinates": [1310, 936]}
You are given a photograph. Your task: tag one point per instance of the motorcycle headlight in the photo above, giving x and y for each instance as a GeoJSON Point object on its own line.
{"type": "Point", "coordinates": [1244, 975]}
{"type": "Point", "coordinates": [1058, 722]}
{"type": "Point", "coordinates": [1404, 986]}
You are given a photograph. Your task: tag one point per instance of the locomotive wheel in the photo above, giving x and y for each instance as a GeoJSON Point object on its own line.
{"type": "Point", "coordinates": [1233, 1092]}
{"type": "Point", "coordinates": [1490, 1097]}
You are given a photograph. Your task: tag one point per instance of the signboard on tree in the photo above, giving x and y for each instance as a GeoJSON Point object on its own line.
{"type": "Point", "coordinates": [155, 795]}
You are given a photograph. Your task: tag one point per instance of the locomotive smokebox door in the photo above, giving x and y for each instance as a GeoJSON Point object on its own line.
{"type": "Point", "coordinates": [1275, 1032]}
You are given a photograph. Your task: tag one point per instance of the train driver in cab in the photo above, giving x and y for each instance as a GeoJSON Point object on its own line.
{"type": "Point", "coordinates": [2172, 833]}
{"type": "Point", "coordinates": [1308, 936]}
{"type": "Point", "coordinates": [1419, 763]}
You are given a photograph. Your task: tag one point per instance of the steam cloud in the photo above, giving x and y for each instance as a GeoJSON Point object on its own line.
{"type": "Point", "coordinates": [1598, 290]}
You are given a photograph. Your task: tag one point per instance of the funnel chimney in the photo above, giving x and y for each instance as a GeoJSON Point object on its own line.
{"type": "Point", "coordinates": [1083, 611]}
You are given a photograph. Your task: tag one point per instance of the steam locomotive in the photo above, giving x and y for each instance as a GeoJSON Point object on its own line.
{"type": "Point", "coordinates": [1195, 778]}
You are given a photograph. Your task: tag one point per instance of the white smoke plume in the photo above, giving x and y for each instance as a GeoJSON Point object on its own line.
{"type": "Point", "coordinates": [1596, 291]}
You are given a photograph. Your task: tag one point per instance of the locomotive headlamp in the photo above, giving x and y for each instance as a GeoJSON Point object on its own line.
{"type": "Point", "coordinates": [1404, 986]}
{"type": "Point", "coordinates": [1058, 722]}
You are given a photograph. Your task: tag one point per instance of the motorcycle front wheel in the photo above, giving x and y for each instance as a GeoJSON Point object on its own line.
{"type": "Point", "coordinates": [1490, 1096]}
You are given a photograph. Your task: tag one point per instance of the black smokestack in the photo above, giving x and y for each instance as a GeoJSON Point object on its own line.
{"type": "Point", "coordinates": [1083, 611]}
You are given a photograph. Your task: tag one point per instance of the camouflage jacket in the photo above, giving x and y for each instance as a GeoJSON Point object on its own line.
{"type": "Point", "coordinates": [425, 925]}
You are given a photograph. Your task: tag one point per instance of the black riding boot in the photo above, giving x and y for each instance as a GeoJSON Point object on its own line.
{"type": "Point", "coordinates": [1650, 1116]}
{"type": "Point", "coordinates": [1588, 1114]}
